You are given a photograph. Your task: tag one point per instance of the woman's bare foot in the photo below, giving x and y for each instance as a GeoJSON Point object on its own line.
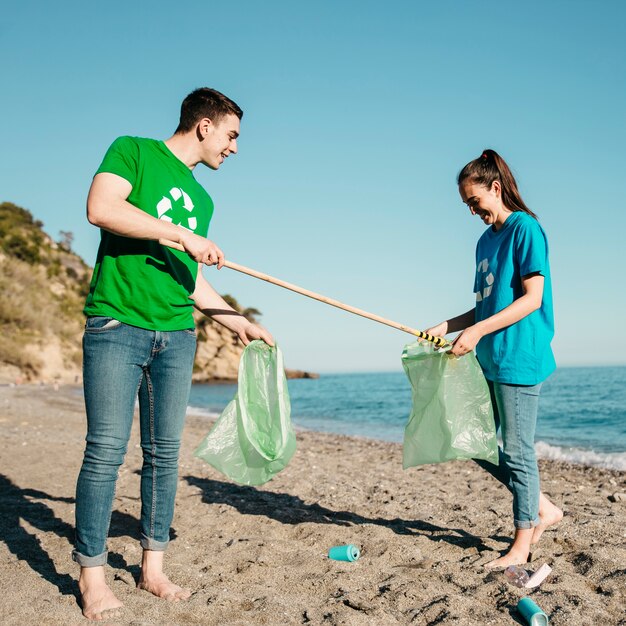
{"type": "Point", "coordinates": [153, 579]}
{"type": "Point", "coordinates": [518, 554]}
{"type": "Point", "coordinates": [97, 600]}
{"type": "Point", "coordinates": [549, 515]}
{"type": "Point", "coordinates": [510, 558]}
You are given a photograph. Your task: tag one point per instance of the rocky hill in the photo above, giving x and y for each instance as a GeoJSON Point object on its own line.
{"type": "Point", "coordinates": [43, 285]}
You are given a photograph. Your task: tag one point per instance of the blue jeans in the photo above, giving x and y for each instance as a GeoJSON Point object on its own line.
{"type": "Point", "coordinates": [515, 411]}
{"type": "Point", "coordinates": [121, 362]}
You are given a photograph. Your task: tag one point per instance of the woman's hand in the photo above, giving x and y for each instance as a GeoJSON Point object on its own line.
{"type": "Point", "coordinates": [438, 331]}
{"type": "Point", "coordinates": [467, 340]}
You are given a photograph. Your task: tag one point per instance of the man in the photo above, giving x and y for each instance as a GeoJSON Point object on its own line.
{"type": "Point", "coordinates": [140, 336]}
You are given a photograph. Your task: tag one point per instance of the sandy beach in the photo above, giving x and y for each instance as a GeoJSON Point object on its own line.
{"type": "Point", "coordinates": [258, 555]}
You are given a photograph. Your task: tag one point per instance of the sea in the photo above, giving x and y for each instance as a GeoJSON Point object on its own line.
{"type": "Point", "coordinates": [582, 410]}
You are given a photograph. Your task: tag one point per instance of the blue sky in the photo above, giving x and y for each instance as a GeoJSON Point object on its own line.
{"type": "Point", "coordinates": [358, 116]}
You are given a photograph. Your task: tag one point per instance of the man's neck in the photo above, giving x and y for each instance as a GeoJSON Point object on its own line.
{"type": "Point", "coordinates": [183, 147]}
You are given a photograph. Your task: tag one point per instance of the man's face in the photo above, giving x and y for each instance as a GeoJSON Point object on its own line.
{"type": "Point", "coordinates": [220, 140]}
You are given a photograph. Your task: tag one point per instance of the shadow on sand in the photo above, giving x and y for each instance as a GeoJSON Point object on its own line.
{"type": "Point", "coordinates": [29, 505]}
{"type": "Point", "coordinates": [289, 509]}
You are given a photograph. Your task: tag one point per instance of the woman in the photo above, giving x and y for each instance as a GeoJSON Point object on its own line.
{"type": "Point", "coordinates": [511, 328]}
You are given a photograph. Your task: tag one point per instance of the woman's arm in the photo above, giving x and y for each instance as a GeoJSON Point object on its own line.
{"type": "Point", "coordinates": [454, 324]}
{"type": "Point", "coordinates": [532, 286]}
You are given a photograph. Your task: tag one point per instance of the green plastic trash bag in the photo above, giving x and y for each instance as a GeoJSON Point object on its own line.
{"type": "Point", "coordinates": [452, 416]}
{"type": "Point", "coordinates": [252, 440]}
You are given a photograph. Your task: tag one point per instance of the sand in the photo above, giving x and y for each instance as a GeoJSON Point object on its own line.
{"type": "Point", "coordinates": [258, 555]}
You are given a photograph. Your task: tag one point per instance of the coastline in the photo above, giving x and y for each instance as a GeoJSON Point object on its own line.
{"type": "Point", "coordinates": [582, 414]}
{"type": "Point", "coordinates": [258, 555]}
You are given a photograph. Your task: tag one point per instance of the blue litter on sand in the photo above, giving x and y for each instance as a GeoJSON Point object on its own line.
{"type": "Point", "coordinates": [533, 615]}
{"type": "Point", "coordinates": [344, 553]}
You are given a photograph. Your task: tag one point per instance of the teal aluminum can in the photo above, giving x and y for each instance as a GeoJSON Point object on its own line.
{"type": "Point", "coordinates": [533, 615]}
{"type": "Point", "coordinates": [344, 553]}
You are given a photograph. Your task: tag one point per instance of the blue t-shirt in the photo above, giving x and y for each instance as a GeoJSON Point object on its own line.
{"type": "Point", "coordinates": [519, 354]}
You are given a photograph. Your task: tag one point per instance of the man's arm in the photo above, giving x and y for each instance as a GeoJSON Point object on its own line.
{"type": "Point", "coordinates": [207, 300]}
{"type": "Point", "coordinates": [108, 208]}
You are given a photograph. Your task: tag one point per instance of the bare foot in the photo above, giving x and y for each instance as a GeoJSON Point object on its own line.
{"type": "Point", "coordinates": [154, 580]}
{"type": "Point", "coordinates": [97, 600]}
{"type": "Point", "coordinates": [512, 557]}
{"type": "Point", "coordinates": [518, 554]}
{"type": "Point", "coordinates": [162, 587]}
{"type": "Point", "coordinates": [549, 515]}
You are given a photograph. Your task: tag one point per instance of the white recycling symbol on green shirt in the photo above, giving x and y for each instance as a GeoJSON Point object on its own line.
{"type": "Point", "coordinates": [170, 212]}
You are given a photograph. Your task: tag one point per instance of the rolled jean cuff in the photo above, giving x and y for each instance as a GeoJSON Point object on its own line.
{"type": "Point", "coordinates": [90, 561]}
{"type": "Point", "coordinates": [526, 524]}
{"type": "Point", "coordinates": [148, 543]}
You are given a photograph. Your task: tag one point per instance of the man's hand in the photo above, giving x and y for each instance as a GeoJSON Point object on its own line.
{"type": "Point", "coordinates": [202, 250]}
{"type": "Point", "coordinates": [254, 331]}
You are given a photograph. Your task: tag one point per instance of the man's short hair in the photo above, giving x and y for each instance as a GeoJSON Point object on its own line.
{"type": "Point", "coordinates": [205, 102]}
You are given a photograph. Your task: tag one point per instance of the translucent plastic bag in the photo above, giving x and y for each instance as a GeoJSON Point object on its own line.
{"type": "Point", "coordinates": [452, 416]}
{"type": "Point", "coordinates": [252, 440]}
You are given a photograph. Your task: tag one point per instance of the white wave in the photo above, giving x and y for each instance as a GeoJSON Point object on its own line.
{"type": "Point", "coordinates": [608, 460]}
{"type": "Point", "coordinates": [195, 410]}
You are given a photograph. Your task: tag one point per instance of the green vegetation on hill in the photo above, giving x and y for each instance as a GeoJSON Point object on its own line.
{"type": "Point", "coordinates": [21, 237]}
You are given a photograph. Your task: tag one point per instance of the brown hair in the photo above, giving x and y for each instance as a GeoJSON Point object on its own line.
{"type": "Point", "coordinates": [205, 102]}
{"type": "Point", "coordinates": [486, 169]}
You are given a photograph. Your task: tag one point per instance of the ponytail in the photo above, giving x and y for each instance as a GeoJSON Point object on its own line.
{"type": "Point", "coordinates": [489, 167]}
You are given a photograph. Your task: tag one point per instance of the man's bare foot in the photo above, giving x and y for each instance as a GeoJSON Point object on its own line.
{"type": "Point", "coordinates": [97, 600]}
{"type": "Point", "coordinates": [162, 587]}
{"type": "Point", "coordinates": [549, 515]}
{"type": "Point", "coordinates": [153, 579]}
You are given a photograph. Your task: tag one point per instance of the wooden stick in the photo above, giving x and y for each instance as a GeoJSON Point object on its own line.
{"type": "Point", "coordinates": [438, 341]}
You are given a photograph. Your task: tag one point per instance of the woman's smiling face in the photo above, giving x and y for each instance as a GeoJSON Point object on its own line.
{"type": "Point", "coordinates": [485, 202]}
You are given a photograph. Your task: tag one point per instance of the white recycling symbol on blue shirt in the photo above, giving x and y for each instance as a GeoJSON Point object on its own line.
{"type": "Point", "coordinates": [483, 268]}
{"type": "Point", "coordinates": [164, 206]}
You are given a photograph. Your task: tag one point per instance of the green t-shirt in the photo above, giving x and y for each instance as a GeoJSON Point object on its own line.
{"type": "Point", "coordinates": [141, 282]}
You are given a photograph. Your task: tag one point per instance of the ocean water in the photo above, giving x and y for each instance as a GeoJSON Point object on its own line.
{"type": "Point", "coordinates": [582, 411]}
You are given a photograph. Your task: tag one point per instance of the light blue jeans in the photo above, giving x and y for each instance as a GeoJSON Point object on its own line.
{"type": "Point", "coordinates": [515, 411]}
{"type": "Point", "coordinates": [121, 362]}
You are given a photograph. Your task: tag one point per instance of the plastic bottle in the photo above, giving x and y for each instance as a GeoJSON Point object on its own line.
{"type": "Point", "coordinates": [516, 575]}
